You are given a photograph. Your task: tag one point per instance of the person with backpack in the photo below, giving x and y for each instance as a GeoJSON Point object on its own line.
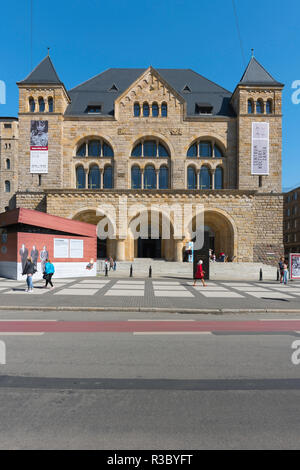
{"type": "Point", "coordinates": [29, 270]}
{"type": "Point", "coordinates": [49, 271]}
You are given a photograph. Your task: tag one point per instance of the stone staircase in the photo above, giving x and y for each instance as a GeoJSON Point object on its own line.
{"type": "Point", "coordinates": [162, 268]}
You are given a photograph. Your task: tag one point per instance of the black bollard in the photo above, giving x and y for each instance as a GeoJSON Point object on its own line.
{"type": "Point", "coordinates": [278, 275]}
{"type": "Point", "coordinates": [260, 275]}
{"type": "Point", "coordinates": [106, 270]}
{"type": "Point", "coordinates": [150, 272]}
{"type": "Point", "coordinates": [130, 275]}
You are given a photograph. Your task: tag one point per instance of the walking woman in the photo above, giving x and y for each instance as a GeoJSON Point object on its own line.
{"type": "Point", "coordinates": [29, 270]}
{"type": "Point", "coordinates": [49, 271]}
{"type": "Point", "coordinates": [199, 273]}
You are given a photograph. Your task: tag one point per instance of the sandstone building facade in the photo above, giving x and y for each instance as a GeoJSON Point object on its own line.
{"type": "Point", "coordinates": [292, 221]}
{"type": "Point", "coordinates": [151, 137]}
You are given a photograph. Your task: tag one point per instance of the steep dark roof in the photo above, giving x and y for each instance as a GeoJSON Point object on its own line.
{"type": "Point", "coordinates": [44, 72]}
{"type": "Point", "coordinates": [255, 74]}
{"type": "Point", "coordinates": [97, 89]}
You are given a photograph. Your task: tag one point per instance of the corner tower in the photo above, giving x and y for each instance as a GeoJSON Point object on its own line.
{"type": "Point", "coordinates": [257, 103]}
{"type": "Point", "coordinates": [42, 99]}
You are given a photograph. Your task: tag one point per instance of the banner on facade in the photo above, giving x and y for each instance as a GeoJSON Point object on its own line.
{"type": "Point", "coordinates": [39, 147]}
{"type": "Point", "coordinates": [295, 265]}
{"type": "Point", "coordinates": [260, 148]}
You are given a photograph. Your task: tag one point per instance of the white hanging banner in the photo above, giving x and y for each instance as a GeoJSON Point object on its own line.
{"type": "Point", "coordinates": [39, 147]}
{"type": "Point", "coordinates": [260, 148]}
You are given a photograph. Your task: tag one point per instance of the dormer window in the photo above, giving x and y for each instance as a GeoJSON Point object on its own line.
{"type": "Point", "coordinates": [93, 109]}
{"type": "Point", "coordinates": [186, 89]}
{"type": "Point", "coordinates": [203, 108]}
{"type": "Point", "coordinates": [113, 88]}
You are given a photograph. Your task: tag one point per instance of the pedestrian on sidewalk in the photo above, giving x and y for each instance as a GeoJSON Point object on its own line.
{"type": "Point", "coordinates": [29, 270]}
{"type": "Point", "coordinates": [285, 273]}
{"type": "Point", "coordinates": [111, 263]}
{"type": "Point", "coordinates": [199, 273]}
{"type": "Point", "coordinates": [281, 269]}
{"type": "Point", "coordinates": [49, 271]}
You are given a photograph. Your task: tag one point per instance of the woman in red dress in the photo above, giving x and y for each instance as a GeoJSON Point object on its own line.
{"type": "Point", "coordinates": [199, 273]}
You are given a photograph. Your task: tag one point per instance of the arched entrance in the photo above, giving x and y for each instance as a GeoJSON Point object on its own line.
{"type": "Point", "coordinates": [105, 247]}
{"type": "Point", "coordinates": [156, 239]}
{"type": "Point", "coordinates": [221, 231]}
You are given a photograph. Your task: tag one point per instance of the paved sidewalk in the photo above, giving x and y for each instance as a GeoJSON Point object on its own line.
{"type": "Point", "coordinates": [151, 293]}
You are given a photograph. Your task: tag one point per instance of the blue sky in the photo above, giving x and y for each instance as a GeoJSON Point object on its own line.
{"type": "Point", "coordinates": [89, 36]}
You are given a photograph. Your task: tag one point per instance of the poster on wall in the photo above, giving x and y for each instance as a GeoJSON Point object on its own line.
{"type": "Point", "coordinates": [61, 248]}
{"type": "Point", "coordinates": [39, 147]}
{"type": "Point", "coordinates": [295, 265]}
{"type": "Point", "coordinates": [76, 248]}
{"type": "Point", "coordinates": [260, 148]}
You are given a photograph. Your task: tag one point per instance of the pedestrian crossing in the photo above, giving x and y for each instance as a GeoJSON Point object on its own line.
{"type": "Point", "coordinates": [156, 288]}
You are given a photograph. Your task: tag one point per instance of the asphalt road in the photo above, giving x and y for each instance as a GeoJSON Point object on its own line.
{"type": "Point", "coordinates": [216, 389]}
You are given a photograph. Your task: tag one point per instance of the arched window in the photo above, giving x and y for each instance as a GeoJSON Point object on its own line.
{"type": "Point", "coordinates": [150, 148]}
{"type": "Point", "coordinates": [94, 177]}
{"type": "Point", "coordinates": [269, 107]}
{"type": "Point", "coordinates": [205, 149]}
{"type": "Point", "coordinates": [192, 151]}
{"type": "Point", "coordinates": [146, 111]}
{"type": "Point", "coordinates": [149, 177]}
{"type": "Point", "coordinates": [163, 177]}
{"type": "Point", "coordinates": [50, 104]}
{"type": "Point", "coordinates": [94, 148]}
{"type": "Point", "coordinates": [108, 177]}
{"type": "Point", "coordinates": [136, 179]}
{"type": "Point", "coordinates": [218, 152]}
{"type": "Point", "coordinates": [8, 164]}
{"type": "Point", "coordinates": [136, 110]}
{"type": "Point", "coordinates": [7, 186]}
{"type": "Point", "coordinates": [205, 178]}
{"type": "Point", "coordinates": [41, 105]}
{"type": "Point", "coordinates": [107, 150]}
{"type": "Point", "coordinates": [80, 177]}
{"type": "Point", "coordinates": [219, 182]}
{"type": "Point", "coordinates": [164, 110]}
{"type": "Point", "coordinates": [250, 107]}
{"type": "Point", "coordinates": [154, 109]}
{"type": "Point", "coordinates": [81, 151]}
{"type": "Point", "coordinates": [162, 151]}
{"type": "Point", "coordinates": [31, 105]}
{"type": "Point", "coordinates": [259, 106]}
{"type": "Point", "coordinates": [137, 151]}
{"type": "Point", "coordinates": [191, 178]}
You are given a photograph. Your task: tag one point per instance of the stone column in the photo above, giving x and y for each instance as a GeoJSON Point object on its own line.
{"type": "Point", "coordinates": [198, 178]}
{"type": "Point", "coordinates": [157, 179]}
{"type": "Point", "coordinates": [86, 177]}
{"type": "Point", "coordinates": [178, 249]}
{"type": "Point", "coordinates": [213, 179]}
{"type": "Point", "coordinates": [120, 250]}
{"type": "Point", "coordinates": [142, 178]}
{"type": "Point", "coordinates": [101, 178]}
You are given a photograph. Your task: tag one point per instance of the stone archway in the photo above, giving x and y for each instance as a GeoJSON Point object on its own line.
{"type": "Point", "coordinates": [222, 228]}
{"type": "Point", "coordinates": [105, 247]}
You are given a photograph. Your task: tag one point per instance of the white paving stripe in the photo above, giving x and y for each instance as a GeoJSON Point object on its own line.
{"type": "Point", "coordinates": [221, 294]}
{"type": "Point", "coordinates": [233, 284]}
{"type": "Point", "coordinates": [165, 283]}
{"type": "Point", "coordinates": [94, 281]}
{"type": "Point", "coordinates": [152, 319]}
{"type": "Point", "coordinates": [165, 293]}
{"type": "Point", "coordinates": [208, 288]}
{"type": "Point", "coordinates": [127, 286]}
{"type": "Point", "coordinates": [34, 292]}
{"type": "Point", "coordinates": [270, 295]}
{"type": "Point", "coordinates": [178, 288]}
{"type": "Point", "coordinates": [18, 333]}
{"type": "Point", "coordinates": [71, 291]}
{"type": "Point", "coordinates": [133, 293]}
{"type": "Point", "coordinates": [87, 286]}
{"type": "Point", "coordinates": [26, 319]}
{"type": "Point", "coordinates": [250, 289]}
{"type": "Point", "coordinates": [133, 282]}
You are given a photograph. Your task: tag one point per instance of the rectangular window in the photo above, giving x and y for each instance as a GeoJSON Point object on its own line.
{"type": "Point", "coordinates": [7, 126]}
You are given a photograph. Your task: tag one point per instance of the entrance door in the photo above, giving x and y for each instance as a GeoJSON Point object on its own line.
{"type": "Point", "coordinates": [148, 248]}
{"type": "Point", "coordinates": [101, 248]}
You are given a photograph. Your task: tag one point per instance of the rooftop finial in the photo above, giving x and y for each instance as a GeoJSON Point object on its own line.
{"type": "Point", "coordinates": [252, 52]}
{"type": "Point", "coordinates": [48, 51]}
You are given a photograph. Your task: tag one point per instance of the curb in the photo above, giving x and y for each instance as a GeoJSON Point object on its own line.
{"type": "Point", "coordinates": [207, 311]}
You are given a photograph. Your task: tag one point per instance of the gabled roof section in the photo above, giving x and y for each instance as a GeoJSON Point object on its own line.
{"type": "Point", "coordinates": [255, 74]}
{"type": "Point", "coordinates": [44, 72]}
{"type": "Point", "coordinates": [202, 90]}
{"type": "Point", "coordinates": [155, 73]}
